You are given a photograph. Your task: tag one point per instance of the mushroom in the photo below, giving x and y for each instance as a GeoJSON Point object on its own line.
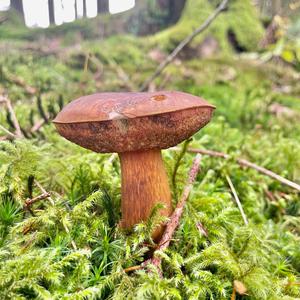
{"type": "Point", "coordinates": [136, 126]}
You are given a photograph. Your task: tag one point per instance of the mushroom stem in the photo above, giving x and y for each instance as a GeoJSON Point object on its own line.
{"type": "Point", "coordinates": [144, 184]}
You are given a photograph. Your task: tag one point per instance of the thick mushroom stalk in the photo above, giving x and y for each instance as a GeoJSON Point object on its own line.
{"type": "Point", "coordinates": [144, 184]}
{"type": "Point", "coordinates": [136, 126]}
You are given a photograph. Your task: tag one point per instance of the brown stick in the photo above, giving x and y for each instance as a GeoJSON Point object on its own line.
{"type": "Point", "coordinates": [7, 132]}
{"type": "Point", "coordinates": [183, 43]}
{"type": "Point", "coordinates": [233, 295]}
{"type": "Point", "coordinates": [270, 196]}
{"type": "Point", "coordinates": [21, 82]}
{"type": "Point", "coordinates": [133, 268]}
{"type": "Point", "coordinates": [248, 164]}
{"type": "Point", "coordinates": [13, 115]}
{"type": "Point", "coordinates": [5, 137]}
{"type": "Point", "coordinates": [236, 199]}
{"type": "Point", "coordinates": [44, 191]}
{"type": "Point", "coordinates": [202, 229]}
{"type": "Point", "coordinates": [176, 215]}
{"type": "Point", "coordinates": [37, 126]}
{"type": "Point", "coordinates": [292, 283]}
{"type": "Point", "coordinates": [29, 202]}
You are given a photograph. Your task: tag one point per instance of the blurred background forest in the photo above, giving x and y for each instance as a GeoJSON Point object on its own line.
{"type": "Point", "coordinates": [66, 244]}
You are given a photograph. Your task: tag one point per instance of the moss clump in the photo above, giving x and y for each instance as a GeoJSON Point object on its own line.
{"type": "Point", "coordinates": [241, 19]}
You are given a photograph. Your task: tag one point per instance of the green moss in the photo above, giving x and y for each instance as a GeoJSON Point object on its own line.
{"type": "Point", "coordinates": [244, 21]}
{"type": "Point", "coordinates": [37, 258]}
{"type": "Point", "coordinates": [241, 18]}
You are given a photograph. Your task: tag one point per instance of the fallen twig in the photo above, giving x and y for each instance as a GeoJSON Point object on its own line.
{"type": "Point", "coordinates": [27, 244]}
{"type": "Point", "coordinates": [7, 132]}
{"type": "Point", "coordinates": [175, 217]}
{"type": "Point", "coordinates": [183, 43]}
{"type": "Point", "coordinates": [202, 229]}
{"type": "Point", "coordinates": [233, 295]}
{"type": "Point", "coordinates": [236, 199]}
{"type": "Point", "coordinates": [44, 191]}
{"type": "Point", "coordinates": [238, 287]}
{"type": "Point", "coordinates": [13, 116]}
{"type": "Point", "coordinates": [5, 137]}
{"type": "Point", "coordinates": [248, 164]}
{"type": "Point", "coordinates": [133, 268]}
{"type": "Point", "coordinates": [292, 283]}
{"type": "Point", "coordinates": [270, 196]}
{"type": "Point", "coordinates": [29, 202]}
{"type": "Point", "coordinates": [22, 83]}
{"type": "Point", "coordinates": [37, 126]}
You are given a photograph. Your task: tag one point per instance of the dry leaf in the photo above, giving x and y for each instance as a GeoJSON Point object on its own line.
{"type": "Point", "coordinates": [239, 287]}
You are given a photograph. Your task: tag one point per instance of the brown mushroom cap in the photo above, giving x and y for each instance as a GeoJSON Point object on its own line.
{"type": "Point", "coordinates": [121, 122]}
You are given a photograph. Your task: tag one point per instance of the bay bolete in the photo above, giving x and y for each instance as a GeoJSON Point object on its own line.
{"type": "Point", "coordinates": [136, 126]}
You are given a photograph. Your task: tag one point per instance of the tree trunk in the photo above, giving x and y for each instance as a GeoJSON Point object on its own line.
{"type": "Point", "coordinates": [84, 8]}
{"type": "Point", "coordinates": [276, 7]}
{"type": "Point", "coordinates": [51, 12]}
{"type": "Point", "coordinates": [17, 5]}
{"type": "Point", "coordinates": [175, 10]}
{"type": "Point", "coordinates": [102, 6]}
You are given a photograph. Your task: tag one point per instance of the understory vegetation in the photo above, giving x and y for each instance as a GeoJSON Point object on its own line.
{"type": "Point", "coordinates": [69, 246]}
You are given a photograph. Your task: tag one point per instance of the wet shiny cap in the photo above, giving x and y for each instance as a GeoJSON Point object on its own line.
{"type": "Point", "coordinates": [110, 106]}
{"type": "Point", "coordinates": [120, 122]}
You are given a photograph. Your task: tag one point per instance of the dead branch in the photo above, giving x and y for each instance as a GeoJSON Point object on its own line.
{"type": "Point", "coordinates": [15, 121]}
{"type": "Point", "coordinates": [183, 43]}
{"type": "Point", "coordinates": [164, 81]}
{"type": "Point", "coordinates": [5, 138]}
{"type": "Point", "coordinates": [270, 196]}
{"type": "Point", "coordinates": [37, 126]}
{"type": "Point", "coordinates": [7, 132]}
{"type": "Point", "coordinates": [233, 295]}
{"type": "Point", "coordinates": [44, 191]}
{"type": "Point", "coordinates": [133, 268]}
{"type": "Point", "coordinates": [248, 164]}
{"type": "Point", "coordinates": [29, 202]}
{"type": "Point", "coordinates": [292, 283]}
{"type": "Point", "coordinates": [202, 229]}
{"type": "Point", "coordinates": [239, 287]}
{"type": "Point", "coordinates": [29, 242]}
{"type": "Point", "coordinates": [176, 215]}
{"type": "Point", "coordinates": [236, 199]}
{"type": "Point", "coordinates": [22, 83]}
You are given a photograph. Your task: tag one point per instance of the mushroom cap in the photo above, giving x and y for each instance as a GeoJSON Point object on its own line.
{"type": "Point", "coordinates": [121, 122]}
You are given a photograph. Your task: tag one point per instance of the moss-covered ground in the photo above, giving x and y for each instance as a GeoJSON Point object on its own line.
{"type": "Point", "coordinates": [73, 249]}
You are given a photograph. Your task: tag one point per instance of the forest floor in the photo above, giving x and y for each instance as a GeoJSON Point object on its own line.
{"type": "Point", "coordinates": [69, 246]}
